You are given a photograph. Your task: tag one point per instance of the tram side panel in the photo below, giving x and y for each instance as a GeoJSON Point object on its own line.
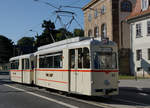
{"type": "Point", "coordinates": [15, 72]}
{"type": "Point", "coordinates": [83, 82]}
{"type": "Point", "coordinates": [55, 78]}
{"type": "Point", "coordinates": [16, 76]}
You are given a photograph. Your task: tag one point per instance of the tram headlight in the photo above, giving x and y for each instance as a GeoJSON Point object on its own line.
{"type": "Point", "coordinates": [107, 83]}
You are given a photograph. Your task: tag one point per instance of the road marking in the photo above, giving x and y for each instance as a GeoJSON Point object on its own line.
{"type": "Point", "coordinates": [80, 100]}
{"type": "Point", "coordinates": [87, 102]}
{"type": "Point", "coordinates": [46, 98]}
{"type": "Point", "coordinates": [117, 99]}
{"type": "Point", "coordinates": [144, 94]}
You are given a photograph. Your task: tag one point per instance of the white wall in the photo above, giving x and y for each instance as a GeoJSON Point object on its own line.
{"type": "Point", "coordinates": [142, 43]}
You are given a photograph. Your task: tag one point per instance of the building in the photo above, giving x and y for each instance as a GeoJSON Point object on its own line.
{"type": "Point", "coordinates": [5, 67]}
{"type": "Point", "coordinates": [106, 18]}
{"type": "Point", "coordinates": [139, 21]}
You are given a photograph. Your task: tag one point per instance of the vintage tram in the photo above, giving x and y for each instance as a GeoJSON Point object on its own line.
{"type": "Point", "coordinates": [86, 66]}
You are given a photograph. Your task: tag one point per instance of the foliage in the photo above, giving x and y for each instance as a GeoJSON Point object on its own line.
{"type": "Point", "coordinates": [48, 34]}
{"type": "Point", "coordinates": [78, 32]}
{"type": "Point", "coordinates": [25, 45]}
{"type": "Point", "coordinates": [6, 49]}
{"type": "Point", "coordinates": [63, 34]}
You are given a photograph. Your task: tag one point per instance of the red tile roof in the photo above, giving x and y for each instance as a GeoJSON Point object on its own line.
{"type": "Point", "coordinates": [137, 11]}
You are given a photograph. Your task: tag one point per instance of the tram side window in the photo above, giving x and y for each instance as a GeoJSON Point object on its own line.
{"type": "Point", "coordinates": [58, 61]}
{"type": "Point", "coordinates": [53, 60]}
{"type": "Point", "coordinates": [22, 63]}
{"type": "Point", "coordinates": [72, 58]}
{"type": "Point", "coordinates": [41, 62]}
{"type": "Point", "coordinates": [27, 64]}
{"type": "Point", "coordinates": [83, 58]}
{"type": "Point", "coordinates": [50, 62]}
{"type": "Point", "coordinates": [80, 58]}
{"type": "Point", "coordinates": [15, 64]}
{"type": "Point", "coordinates": [86, 58]}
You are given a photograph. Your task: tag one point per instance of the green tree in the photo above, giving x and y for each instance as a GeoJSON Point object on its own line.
{"type": "Point", "coordinates": [63, 34]}
{"type": "Point", "coordinates": [78, 32]}
{"type": "Point", "coordinates": [25, 45]}
{"type": "Point", "coordinates": [6, 49]}
{"type": "Point", "coordinates": [48, 35]}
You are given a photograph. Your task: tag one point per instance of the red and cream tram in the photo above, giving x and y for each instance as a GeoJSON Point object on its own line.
{"type": "Point", "coordinates": [84, 66]}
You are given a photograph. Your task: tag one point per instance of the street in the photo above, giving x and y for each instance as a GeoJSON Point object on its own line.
{"type": "Point", "coordinates": [133, 94]}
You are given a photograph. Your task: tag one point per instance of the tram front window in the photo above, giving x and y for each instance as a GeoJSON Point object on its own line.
{"type": "Point", "coordinates": [105, 60]}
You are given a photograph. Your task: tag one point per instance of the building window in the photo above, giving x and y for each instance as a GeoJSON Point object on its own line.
{"type": "Point", "coordinates": [148, 28]}
{"type": "Point", "coordinates": [104, 31]}
{"type": "Point", "coordinates": [139, 68]}
{"type": "Point", "coordinates": [96, 31]}
{"type": "Point", "coordinates": [90, 33]}
{"type": "Point", "coordinates": [103, 10]}
{"type": "Point", "coordinates": [89, 17]}
{"type": "Point", "coordinates": [144, 4]}
{"type": "Point", "coordinates": [149, 54]}
{"type": "Point", "coordinates": [148, 68]}
{"type": "Point", "coordinates": [138, 30]}
{"type": "Point", "coordinates": [138, 55]}
{"type": "Point", "coordinates": [126, 6]}
{"type": "Point", "coordinates": [96, 13]}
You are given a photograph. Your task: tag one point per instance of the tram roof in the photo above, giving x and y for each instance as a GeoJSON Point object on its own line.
{"type": "Point", "coordinates": [21, 56]}
{"type": "Point", "coordinates": [64, 42]}
{"type": "Point", "coordinates": [70, 43]}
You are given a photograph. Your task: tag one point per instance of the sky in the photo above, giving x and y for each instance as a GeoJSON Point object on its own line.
{"type": "Point", "coordinates": [18, 17]}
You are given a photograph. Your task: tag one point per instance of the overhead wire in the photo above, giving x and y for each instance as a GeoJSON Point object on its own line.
{"type": "Point", "coordinates": [47, 3]}
{"type": "Point", "coordinates": [27, 30]}
{"type": "Point", "coordinates": [60, 13]}
{"type": "Point", "coordinates": [75, 2]}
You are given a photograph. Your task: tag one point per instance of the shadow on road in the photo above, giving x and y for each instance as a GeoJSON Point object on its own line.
{"type": "Point", "coordinates": [4, 73]}
{"type": "Point", "coordinates": [135, 90]}
{"type": "Point", "coordinates": [121, 99]}
{"type": "Point", "coordinates": [4, 79]}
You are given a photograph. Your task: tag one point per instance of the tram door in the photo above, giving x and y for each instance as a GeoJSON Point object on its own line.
{"type": "Point", "coordinates": [73, 68]}
{"type": "Point", "coordinates": [25, 70]}
{"type": "Point", "coordinates": [22, 60]}
{"type": "Point", "coordinates": [32, 71]}
{"type": "Point", "coordinates": [35, 67]}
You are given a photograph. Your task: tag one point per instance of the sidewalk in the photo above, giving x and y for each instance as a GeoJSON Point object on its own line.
{"type": "Point", "coordinates": [140, 85]}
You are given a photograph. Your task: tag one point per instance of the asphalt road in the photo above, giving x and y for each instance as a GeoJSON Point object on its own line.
{"type": "Point", "coordinates": [13, 95]}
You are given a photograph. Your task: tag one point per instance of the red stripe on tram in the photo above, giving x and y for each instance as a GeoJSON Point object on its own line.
{"type": "Point", "coordinates": [16, 77]}
{"type": "Point", "coordinates": [52, 81]}
{"type": "Point", "coordinates": [21, 70]}
{"type": "Point", "coordinates": [106, 71]}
